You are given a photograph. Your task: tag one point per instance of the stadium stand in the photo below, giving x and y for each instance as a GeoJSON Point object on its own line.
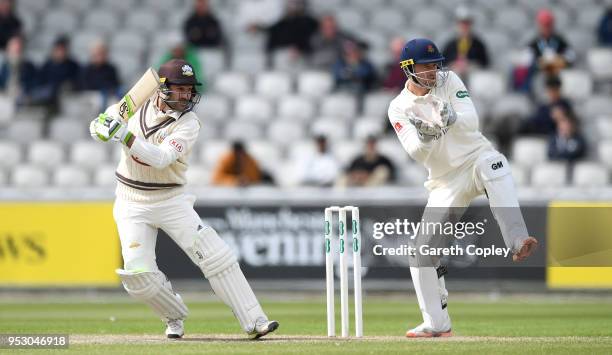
{"type": "Point", "coordinates": [279, 109]}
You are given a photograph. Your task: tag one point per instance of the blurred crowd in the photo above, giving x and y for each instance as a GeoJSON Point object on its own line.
{"type": "Point", "coordinates": [315, 42]}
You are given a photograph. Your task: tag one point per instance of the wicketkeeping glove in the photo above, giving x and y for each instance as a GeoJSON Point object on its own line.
{"type": "Point", "coordinates": [104, 128]}
{"type": "Point", "coordinates": [447, 113]}
{"type": "Point", "coordinates": [426, 130]}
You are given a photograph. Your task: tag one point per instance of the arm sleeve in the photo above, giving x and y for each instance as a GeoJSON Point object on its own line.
{"type": "Point", "coordinates": [173, 147]}
{"type": "Point", "coordinates": [467, 117]}
{"type": "Point", "coordinates": [408, 135]}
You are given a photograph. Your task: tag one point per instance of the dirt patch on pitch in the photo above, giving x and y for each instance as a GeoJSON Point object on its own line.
{"type": "Point", "coordinates": [227, 338]}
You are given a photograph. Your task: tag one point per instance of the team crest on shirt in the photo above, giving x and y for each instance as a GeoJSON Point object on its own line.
{"type": "Point", "coordinates": [187, 70]}
{"type": "Point", "coordinates": [161, 135]}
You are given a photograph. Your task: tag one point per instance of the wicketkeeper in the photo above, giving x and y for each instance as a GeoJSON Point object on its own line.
{"type": "Point", "coordinates": [437, 124]}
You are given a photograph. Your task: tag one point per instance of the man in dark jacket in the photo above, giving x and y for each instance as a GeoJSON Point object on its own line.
{"type": "Point", "coordinates": [10, 25]}
{"type": "Point", "coordinates": [202, 29]}
{"type": "Point", "coordinates": [466, 50]}
{"type": "Point", "coordinates": [18, 76]}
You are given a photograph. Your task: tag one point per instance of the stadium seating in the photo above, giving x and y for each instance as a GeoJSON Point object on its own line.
{"type": "Point", "coordinates": [549, 175]}
{"type": "Point", "coordinates": [213, 107]}
{"type": "Point", "coordinates": [346, 151]}
{"type": "Point", "coordinates": [45, 153]}
{"type": "Point", "coordinates": [27, 176]}
{"type": "Point", "coordinates": [69, 176]}
{"type": "Point", "coordinates": [341, 106]}
{"type": "Point", "coordinates": [589, 174]}
{"type": "Point", "coordinates": [330, 127]}
{"type": "Point", "coordinates": [232, 84]}
{"type": "Point", "coordinates": [276, 109]}
{"type": "Point", "coordinates": [67, 130]}
{"type": "Point", "coordinates": [487, 85]}
{"type": "Point", "coordinates": [198, 176]}
{"type": "Point", "coordinates": [11, 154]}
{"type": "Point", "coordinates": [296, 108]}
{"type": "Point", "coordinates": [88, 153]}
{"type": "Point", "coordinates": [520, 175]}
{"type": "Point", "coordinates": [314, 84]}
{"type": "Point", "coordinates": [243, 130]}
{"type": "Point", "coordinates": [368, 126]}
{"type": "Point", "coordinates": [285, 132]}
{"type": "Point", "coordinates": [529, 152]}
{"type": "Point", "coordinates": [101, 21]}
{"type": "Point", "coordinates": [7, 110]}
{"type": "Point", "coordinates": [273, 84]}
{"type": "Point", "coordinates": [599, 60]}
{"type": "Point", "coordinates": [254, 109]}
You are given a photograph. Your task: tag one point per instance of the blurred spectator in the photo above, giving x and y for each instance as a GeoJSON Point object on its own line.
{"type": "Point", "coordinates": [202, 29]}
{"type": "Point", "coordinates": [604, 31]}
{"type": "Point", "coordinates": [327, 43]}
{"type": "Point", "coordinates": [395, 78]}
{"type": "Point", "coordinates": [237, 168]}
{"type": "Point", "coordinates": [293, 31]}
{"type": "Point", "coordinates": [184, 51]}
{"type": "Point", "coordinates": [99, 74]}
{"type": "Point", "coordinates": [466, 50]}
{"type": "Point", "coordinates": [10, 25]}
{"type": "Point", "coordinates": [370, 168]}
{"type": "Point", "coordinates": [567, 143]}
{"type": "Point", "coordinates": [320, 169]}
{"type": "Point", "coordinates": [542, 122]}
{"type": "Point", "coordinates": [18, 76]}
{"type": "Point", "coordinates": [59, 73]}
{"type": "Point", "coordinates": [353, 71]}
{"type": "Point", "coordinates": [550, 51]}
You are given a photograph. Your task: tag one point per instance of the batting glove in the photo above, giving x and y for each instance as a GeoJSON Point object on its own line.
{"type": "Point", "coordinates": [105, 128]}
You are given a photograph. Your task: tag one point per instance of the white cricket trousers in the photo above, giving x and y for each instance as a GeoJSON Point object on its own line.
{"type": "Point", "coordinates": [138, 224]}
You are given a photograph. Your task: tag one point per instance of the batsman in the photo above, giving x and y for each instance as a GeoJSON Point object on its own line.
{"type": "Point", "coordinates": [437, 124]}
{"type": "Point", "coordinates": [150, 194]}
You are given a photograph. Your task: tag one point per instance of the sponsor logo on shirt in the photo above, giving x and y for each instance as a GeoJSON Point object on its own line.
{"type": "Point", "coordinates": [462, 93]}
{"type": "Point", "coordinates": [178, 146]}
{"type": "Point", "coordinates": [398, 127]}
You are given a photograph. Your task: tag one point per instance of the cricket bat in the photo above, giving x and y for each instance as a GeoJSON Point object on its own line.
{"type": "Point", "coordinates": [138, 94]}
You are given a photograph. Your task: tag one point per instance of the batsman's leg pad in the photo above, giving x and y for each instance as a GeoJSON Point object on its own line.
{"type": "Point", "coordinates": [154, 289]}
{"type": "Point", "coordinates": [220, 266]}
{"type": "Point", "coordinates": [493, 175]}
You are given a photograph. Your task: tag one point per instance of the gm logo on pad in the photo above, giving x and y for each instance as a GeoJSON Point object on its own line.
{"type": "Point", "coordinates": [497, 165]}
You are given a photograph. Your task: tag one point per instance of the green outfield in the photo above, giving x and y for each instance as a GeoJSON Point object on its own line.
{"type": "Point", "coordinates": [508, 325]}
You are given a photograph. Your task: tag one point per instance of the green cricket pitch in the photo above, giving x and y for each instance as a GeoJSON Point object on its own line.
{"type": "Point", "coordinates": [525, 324]}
